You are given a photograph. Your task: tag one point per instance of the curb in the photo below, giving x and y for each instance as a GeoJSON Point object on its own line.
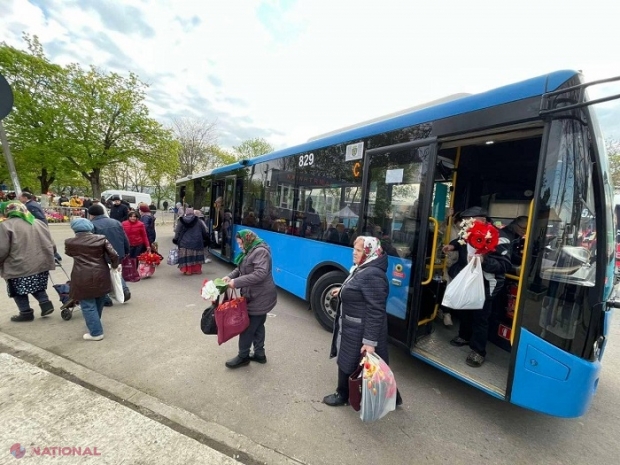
{"type": "Point", "coordinates": [234, 445]}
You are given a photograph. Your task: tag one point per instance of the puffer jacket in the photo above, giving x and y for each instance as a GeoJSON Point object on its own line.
{"type": "Point", "coordinates": [254, 278]}
{"type": "Point", "coordinates": [361, 318]}
{"type": "Point", "coordinates": [190, 233]}
{"type": "Point", "coordinates": [25, 249]}
{"type": "Point", "coordinates": [90, 277]}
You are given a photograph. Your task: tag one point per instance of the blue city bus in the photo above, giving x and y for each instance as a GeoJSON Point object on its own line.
{"type": "Point", "coordinates": [532, 148]}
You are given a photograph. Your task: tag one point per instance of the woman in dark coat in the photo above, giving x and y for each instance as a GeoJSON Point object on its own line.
{"type": "Point", "coordinates": [191, 235]}
{"type": "Point", "coordinates": [90, 277]}
{"type": "Point", "coordinates": [361, 318]}
{"type": "Point", "coordinates": [148, 219]}
{"type": "Point", "coordinates": [253, 276]}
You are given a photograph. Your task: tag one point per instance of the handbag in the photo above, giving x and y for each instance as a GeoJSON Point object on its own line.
{"type": "Point", "coordinates": [117, 285]}
{"type": "Point", "coordinates": [355, 387]}
{"type": "Point", "coordinates": [173, 257]}
{"type": "Point", "coordinates": [231, 317]}
{"type": "Point", "coordinates": [130, 269]}
{"type": "Point", "coordinates": [207, 321]}
{"type": "Point", "coordinates": [466, 290]}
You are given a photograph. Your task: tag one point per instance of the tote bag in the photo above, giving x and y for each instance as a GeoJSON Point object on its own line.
{"type": "Point", "coordinates": [466, 290]}
{"type": "Point", "coordinates": [231, 317]}
{"type": "Point", "coordinates": [130, 269]}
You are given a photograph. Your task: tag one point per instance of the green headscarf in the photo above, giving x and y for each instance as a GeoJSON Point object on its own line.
{"type": "Point", "coordinates": [16, 209]}
{"type": "Point", "coordinates": [250, 240]}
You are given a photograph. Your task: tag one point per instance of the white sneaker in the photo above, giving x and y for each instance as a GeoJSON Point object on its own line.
{"type": "Point", "coordinates": [88, 337]}
{"type": "Point", "coordinates": [447, 320]}
{"type": "Point", "coordinates": [207, 260]}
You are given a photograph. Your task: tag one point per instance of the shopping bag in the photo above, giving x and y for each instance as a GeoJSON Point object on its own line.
{"type": "Point", "coordinates": [207, 321]}
{"type": "Point", "coordinates": [145, 270]}
{"type": "Point", "coordinates": [378, 389]}
{"type": "Point", "coordinates": [117, 285]}
{"type": "Point", "coordinates": [130, 269]}
{"type": "Point", "coordinates": [355, 387]}
{"type": "Point", "coordinates": [466, 290]}
{"type": "Point", "coordinates": [173, 257]}
{"type": "Point", "coordinates": [231, 317]}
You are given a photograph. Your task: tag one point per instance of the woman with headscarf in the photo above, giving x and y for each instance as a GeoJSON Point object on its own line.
{"type": "Point", "coordinates": [90, 277]}
{"type": "Point", "coordinates": [26, 256]}
{"type": "Point", "coordinates": [190, 235]}
{"type": "Point", "coordinates": [361, 318]}
{"type": "Point", "coordinates": [148, 219]}
{"type": "Point", "coordinates": [253, 276]}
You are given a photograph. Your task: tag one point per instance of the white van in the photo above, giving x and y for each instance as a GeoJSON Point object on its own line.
{"type": "Point", "coordinates": [133, 198]}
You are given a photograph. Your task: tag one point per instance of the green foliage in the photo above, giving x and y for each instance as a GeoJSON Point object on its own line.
{"type": "Point", "coordinates": [613, 153]}
{"type": "Point", "coordinates": [252, 148]}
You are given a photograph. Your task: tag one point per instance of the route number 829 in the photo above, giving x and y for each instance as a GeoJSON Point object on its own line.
{"type": "Point", "coordinates": [306, 160]}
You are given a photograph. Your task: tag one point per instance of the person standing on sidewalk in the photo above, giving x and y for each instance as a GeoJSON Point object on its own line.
{"type": "Point", "coordinates": [115, 234]}
{"type": "Point", "coordinates": [90, 277]}
{"type": "Point", "coordinates": [26, 257]}
{"type": "Point", "coordinates": [253, 276]}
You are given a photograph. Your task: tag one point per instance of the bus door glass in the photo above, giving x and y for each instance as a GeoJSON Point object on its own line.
{"type": "Point", "coordinates": [228, 205]}
{"type": "Point", "coordinates": [395, 212]}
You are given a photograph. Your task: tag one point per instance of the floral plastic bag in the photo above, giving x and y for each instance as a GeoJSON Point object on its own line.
{"type": "Point", "coordinates": [378, 389]}
{"type": "Point", "coordinates": [466, 290]}
{"type": "Point", "coordinates": [173, 257]}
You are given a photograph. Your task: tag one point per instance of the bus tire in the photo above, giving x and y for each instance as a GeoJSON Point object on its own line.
{"type": "Point", "coordinates": [323, 306]}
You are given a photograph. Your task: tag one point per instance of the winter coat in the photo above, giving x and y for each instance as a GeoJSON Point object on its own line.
{"type": "Point", "coordinates": [253, 276]}
{"type": "Point", "coordinates": [190, 233]}
{"type": "Point", "coordinates": [136, 233]}
{"type": "Point", "coordinates": [113, 232]}
{"type": "Point", "coordinates": [36, 210]}
{"type": "Point", "coordinates": [119, 212]}
{"type": "Point", "coordinates": [361, 318]}
{"type": "Point", "coordinates": [25, 249]}
{"type": "Point", "coordinates": [90, 277]}
{"type": "Point", "coordinates": [149, 224]}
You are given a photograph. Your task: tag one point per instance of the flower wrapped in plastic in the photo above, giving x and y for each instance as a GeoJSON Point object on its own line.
{"type": "Point", "coordinates": [149, 258]}
{"type": "Point", "coordinates": [378, 388]}
{"type": "Point", "coordinates": [482, 237]}
{"type": "Point", "coordinates": [209, 291]}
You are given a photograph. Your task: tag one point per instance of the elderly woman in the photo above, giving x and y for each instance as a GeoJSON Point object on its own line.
{"type": "Point", "coordinates": [361, 318]}
{"type": "Point", "coordinates": [90, 277]}
{"type": "Point", "coordinates": [253, 276]}
{"type": "Point", "coordinates": [26, 256]}
{"type": "Point", "coordinates": [191, 235]}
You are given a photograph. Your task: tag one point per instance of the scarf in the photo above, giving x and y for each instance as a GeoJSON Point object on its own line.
{"type": "Point", "coordinates": [249, 240]}
{"type": "Point", "coordinates": [372, 251]}
{"type": "Point", "coordinates": [16, 209]}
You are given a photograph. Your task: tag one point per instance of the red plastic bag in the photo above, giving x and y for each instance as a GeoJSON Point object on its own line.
{"type": "Point", "coordinates": [130, 269]}
{"type": "Point", "coordinates": [231, 317]}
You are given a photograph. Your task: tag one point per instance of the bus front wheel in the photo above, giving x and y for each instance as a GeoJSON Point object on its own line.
{"type": "Point", "coordinates": [321, 301]}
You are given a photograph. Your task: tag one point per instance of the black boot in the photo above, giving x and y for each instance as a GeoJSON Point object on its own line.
{"type": "Point", "coordinates": [238, 362]}
{"type": "Point", "coordinates": [335, 400]}
{"type": "Point", "coordinates": [46, 308]}
{"type": "Point", "coordinates": [24, 316]}
{"type": "Point", "coordinates": [258, 358]}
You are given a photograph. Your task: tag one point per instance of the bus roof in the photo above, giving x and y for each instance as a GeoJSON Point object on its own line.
{"type": "Point", "coordinates": [501, 95]}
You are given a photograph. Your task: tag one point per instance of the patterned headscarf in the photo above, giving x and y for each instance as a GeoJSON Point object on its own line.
{"type": "Point", "coordinates": [16, 209]}
{"type": "Point", "coordinates": [372, 250]}
{"type": "Point", "coordinates": [249, 240]}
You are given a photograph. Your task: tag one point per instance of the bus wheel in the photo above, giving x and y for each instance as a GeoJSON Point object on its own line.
{"type": "Point", "coordinates": [321, 301]}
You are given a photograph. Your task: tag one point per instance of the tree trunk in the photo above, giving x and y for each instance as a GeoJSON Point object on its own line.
{"type": "Point", "coordinates": [46, 181]}
{"type": "Point", "coordinates": [94, 177]}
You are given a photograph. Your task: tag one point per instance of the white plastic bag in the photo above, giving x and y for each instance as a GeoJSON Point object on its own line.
{"type": "Point", "coordinates": [466, 290]}
{"type": "Point", "coordinates": [173, 257]}
{"type": "Point", "coordinates": [378, 389]}
{"type": "Point", "coordinates": [117, 284]}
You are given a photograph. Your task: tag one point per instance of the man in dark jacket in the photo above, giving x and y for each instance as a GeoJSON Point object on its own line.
{"type": "Point", "coordinates": [118, 211]}
{"type": "Point", "coordinates": [114, 233]}
{"type": "Point", "coordinates": [33, 207]}
{"type": "Point", "coordinates": [474, 326]}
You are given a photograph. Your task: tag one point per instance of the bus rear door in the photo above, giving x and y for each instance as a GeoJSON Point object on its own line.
{"type": "Point", "coordinates": [396, 210]}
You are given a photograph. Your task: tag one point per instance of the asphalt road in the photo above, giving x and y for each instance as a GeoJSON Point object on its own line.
{"type": "Point", "coordinates": [154, 344]}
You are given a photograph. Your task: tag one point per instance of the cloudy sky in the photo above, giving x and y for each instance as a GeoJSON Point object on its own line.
{"type": "Point", "coordinates": [287, 70]}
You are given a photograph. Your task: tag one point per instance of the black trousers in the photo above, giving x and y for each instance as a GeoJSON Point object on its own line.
{"type": "Point", "coordinates": [474, 326]}
{"type": "Point", "coordinates": [253, 335]}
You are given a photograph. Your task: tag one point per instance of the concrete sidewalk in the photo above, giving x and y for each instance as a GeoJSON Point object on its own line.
{"type": "Point", "coordinates": [54, 409]}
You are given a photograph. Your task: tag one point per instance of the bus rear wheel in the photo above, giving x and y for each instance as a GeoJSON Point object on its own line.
{"type": "Point", "coordinates": [321, 301]}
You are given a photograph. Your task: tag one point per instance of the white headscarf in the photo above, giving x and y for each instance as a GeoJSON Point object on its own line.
{"type": "Point", "coordinates": [372, 251]}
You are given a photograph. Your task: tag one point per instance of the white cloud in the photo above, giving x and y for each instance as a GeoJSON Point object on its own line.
{"type": "Point", "coordinates": [288, 70]}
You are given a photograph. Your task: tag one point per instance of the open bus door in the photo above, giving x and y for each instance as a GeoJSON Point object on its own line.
{"type": "Point", "coordinates": [397, 208]}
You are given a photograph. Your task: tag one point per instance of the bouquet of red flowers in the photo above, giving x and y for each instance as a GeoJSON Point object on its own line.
{"type": "Point", "coordinates": [483, 237]}
{"type": "Point", "coordinates": [149, 258]}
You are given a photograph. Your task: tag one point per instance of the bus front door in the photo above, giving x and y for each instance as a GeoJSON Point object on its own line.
{"type": "Point", "coordinates": [397, 205]}
{"type": "Point", "coordinates": [228, 205]}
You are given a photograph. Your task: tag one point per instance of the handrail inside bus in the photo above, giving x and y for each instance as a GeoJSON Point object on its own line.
{"type": "Point", "coordinates": [433, 253]}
